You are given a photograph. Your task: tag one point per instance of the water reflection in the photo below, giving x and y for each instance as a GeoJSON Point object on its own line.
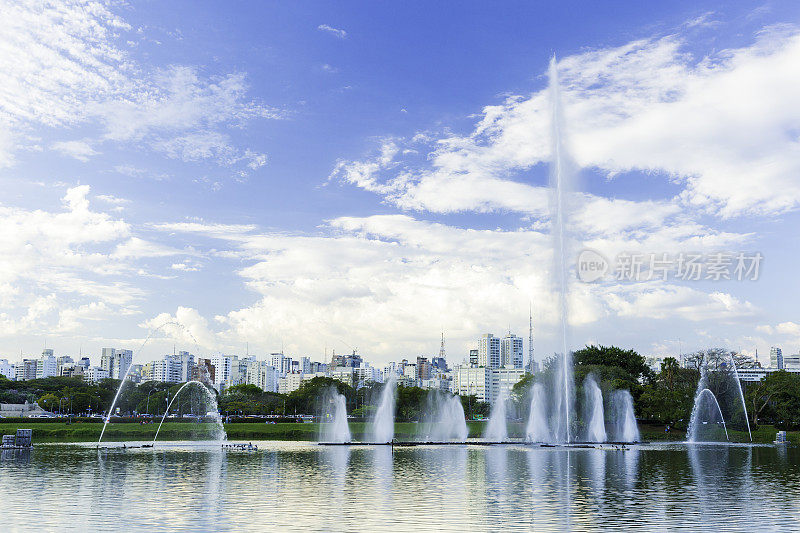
{"type": "Point", "coordinates": [447, 488]}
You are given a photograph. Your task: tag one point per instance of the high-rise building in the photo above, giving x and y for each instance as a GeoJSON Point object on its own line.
{"type": "Point", "coordinates": [46, 365]}
{"type": "Point", "coordinates": [440, 364]}
{"type": "Point", "coordinates": [26, 370]}
{"type": "Point", "coordinates": [776, 358]}
{"type": "Point", "coordinates": [348, 361]}
{"type": "Point", "coordinates": [107, 360]}
{"type": "Point", "coordinates": [7, 369]}
{"type": "Point", "coordinates": [503, 380]}
{"type": "Point", "coordinates": [305, 365]}
{"type": "Point", "coordinates": [472, 381]}
{"type": "Point", "coordinates": [61, 362]}
{"type": "Point", "coordinates": [473, 357]}
{"type": "Point", "coordinates": [222, 368]}
{"type": "Point", "coordinates": [489, 351]}
{"type": "Point", "coordinates": [511, 351]}
{"type": "Point", "coordinates": [72, 370]}
{"type": "Point", "coordinates": [423, 369]}
{"type": "Point", "coordinates": [95, 374]}
{"type": "Point", "coordinates": [262, 375]}
{"type": "Point", "coordinates": [122, 362]}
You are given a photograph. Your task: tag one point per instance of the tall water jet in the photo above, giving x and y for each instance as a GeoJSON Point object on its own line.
{"type": "Point", "coordinates": [448, 422]}
{"type": "Point", "coordinates": [130, 366]}
{"type": "Point", "coordinates": [219, 434]}
{"type": "Point", "coordinates": [538, 429]}
{"type": "Point", "coordinates": [741, 396]}
{"type": "Point", "coordinates": [383, 423]}
{"type": "Point", "coordinates": [624, 419]}
{"type": "Point", "coordinates": [561, 175]}
{"type": "Point", "coordinates": [497, 429]}
{"type": "Point", "coordinates": [706, 418]}
{"type": "Point", "coordinates": [705, 411]}
{"type": "Point", "coordinates": [334, 414]}
{"type": "Point", "coordinates": [593, 410]}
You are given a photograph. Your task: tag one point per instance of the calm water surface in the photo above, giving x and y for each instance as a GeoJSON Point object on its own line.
{"type": "Point", "coordinates": [292, 486]}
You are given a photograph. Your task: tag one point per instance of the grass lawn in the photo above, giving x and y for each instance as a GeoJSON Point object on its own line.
{"type": "Point", "coordinates": [90, 431]}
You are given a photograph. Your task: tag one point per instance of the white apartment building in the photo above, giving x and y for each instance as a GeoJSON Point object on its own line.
{"type": "Point", "coordinates": [486, 384]}
{"type": "Point", "coordinates": [511, 351]}
{"type": "Point", "coordinates": [366, 374]}
{"type": "Point", "coordinates": [95, 373]}
{"type": "Point", "coordinates": [222, 368]}
{"type": "Point", "coordinates": [46, 365]}
{"type": "Point", "coordinates": [263, 375]}
{"type": "Point", "coordinates": [7, 369]}
{"type": "Point", "coordinates": [25, 370]}
{"type": "Point", "coordinates": [503, 380]}
{"type": "Point", "coordinates": [116, 362]}
{"type": "Point", "coordinates": [489, 351]}
{"type": "Point", "coordinates": [290, 383]}
{"type": "Point", "coordinates": [472, 381]}
{"type": "Point", "coordinates": [775, 357]}
{"type": "Point", "coordinates": [791, 362]}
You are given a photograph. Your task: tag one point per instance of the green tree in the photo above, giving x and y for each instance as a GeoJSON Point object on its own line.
{"type": "Point", "coordinates": [777, 398]}
{"type": "Point", "coordinates": [629, 361]}
{"type": "Point", "coordinates": [49, 402]}
{"type": "Point", "coordinates": [669, 398]}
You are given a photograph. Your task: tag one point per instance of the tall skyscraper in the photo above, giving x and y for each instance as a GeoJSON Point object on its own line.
{"type": "Point", "coordinates": [489, 351]}
{"type": "Point", "coordinates": [46, 365]}
{"type": "Point", "coordinates": [511, 351]}
{"type": "Point", "coordinates": [776, 357]}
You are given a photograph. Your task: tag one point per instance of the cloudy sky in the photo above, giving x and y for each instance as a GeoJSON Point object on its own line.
{"type": "Point", "coordinates": [365, 175]}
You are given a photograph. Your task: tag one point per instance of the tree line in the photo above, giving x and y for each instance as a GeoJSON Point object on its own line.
{"type": "Point", "coordinates": [662, 396]}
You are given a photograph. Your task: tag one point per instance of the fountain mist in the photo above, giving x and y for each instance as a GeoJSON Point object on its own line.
{"type": "Point", "coordinates": [704, 412]}
{"type": "Point", "coordinates": [625, 427]}
{"type": "Point", "coordinates": [449, 422]}
{"type": "Point", "coordinates": [212, 400]}
{"type": "Point", "coordinates": [335, 428]}
{"type": "Point", "coordinates": [593, 410]}
{"type": "Point", "coordinates": [538, 429]}
{"type": "Point", "coordinates": [383, 423]}
{"type": "Point", "coordinates": [497, 429]}
{"type": "Point", "coordinates": [561, 176]}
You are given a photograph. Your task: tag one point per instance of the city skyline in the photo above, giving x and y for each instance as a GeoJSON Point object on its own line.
{"type": "Point", "coordinates": [154, 172]}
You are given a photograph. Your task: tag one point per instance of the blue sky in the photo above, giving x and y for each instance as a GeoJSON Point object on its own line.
{"type": "Point", "coordinates": [335, 175]}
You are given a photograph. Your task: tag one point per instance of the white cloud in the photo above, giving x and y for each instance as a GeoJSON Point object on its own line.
{"type": "Point", "coordinates": [185, 267]}
{"type": "Point", "coordinates": [63, 68]}
{"type": "Point", "coordinates": [186, 326]}
{"type": "Point", "coordinates": [80, 150]}
{"type": "Point", "coordinates": [389, 282]}
{"type": "Point", "coordinates": [59, 267]}
{"type": "Point", "coordinates": [341, 34]}
{"type": "Point", "coordinates": [785, 334]}
{"type": "Point", "coordinates": [111, 199]}
{"type": "Point", "coordinates": [724, 126]}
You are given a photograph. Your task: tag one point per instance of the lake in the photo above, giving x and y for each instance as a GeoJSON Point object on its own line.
{"type": "Point", "coordinates": [302, 486]}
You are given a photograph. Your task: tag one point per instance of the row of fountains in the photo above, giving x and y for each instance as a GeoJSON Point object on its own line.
{"type": "Point", "coordinates": [445, 421]}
